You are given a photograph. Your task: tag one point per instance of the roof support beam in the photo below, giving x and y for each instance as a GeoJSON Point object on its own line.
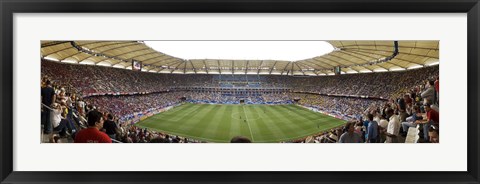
{"type": "Point", "coordinates": [146, 54]}
{"type": "Point", "coordinates": [75, 48]}
{"type": "Point", "coordinates": [194, 69]}
{"type": "Point", "coordinates": [124, 44]}
{"type": "Point", "coordinates": [91, 43]}
{"type": "Point", "coordinates": [71, 55]}
{"type": "Point", "coordinates": [359, 52]}
{"type": "Point", "coordinates": [185, 67]}
{"type": "Point", "coordinates": [53, 44]}
{"type": "Point", "coordinates": [205, 65]}
{"type": "Point", "coordinates": [304, 64]}
{"type": "Point", "coordinates": [272, 67]}
{"type": "Point", "coordinates": [57, 51]}
{"type": "Point", "coordinates": [219, 71]}
{"type": "Point", "coordinates": [338, 64]}
{"type": "Point", "coordinates": [164, 60]}
{"type": "Point", "coordinates": [367, 64]}
{"type": "Point", "coordinates": [259, 67]}
{"type": "Point", "coordinates": [133, 52]}
{"type": "Point", "coordinates": [344, 52]}
{"type": "Point", "coordinates": [323, 62]}
{"type": "Point", "coordinates": [162, 69]}
{"type": "Point", "coordinates": [300, 68]}
{"type": "Point", "coordinates": [156, 57]}
{"type": "Point", "coordinates": [79, 52]}
{"type": "Point", "coordinates": [176, 67]}
{"type": "Point", "coordinates": [347, 53]}
{"type": "Point", "coordinates": [113, 57]}
{"type": "Point", "coordinates": [246, 67]}
{"type": "Point", "coordinates": [348, 61]}
{"type": "Point", "coordinates": [107, 50]}
{"type": "Point", "coordinates": [355, 46]}
{"type": "Point", "coordinates": [365, 49]}
{"type": "Point", "coordinates": [292, 68]}
{"type": "Point", "coordinates": [332, 66]}
{"type": "Point", "coordinates": [154, 52]}
{"type": "Point", "coordinates": [321, 66]}
{"type": "Point", "coordinates": [332, 55]}
{"type": "Point", "coordinates": [285, 68]}
{"type": "Point", "coordinates": [318, 72]}
{"type": "Point", "coordinates": [170, 63]}
{"type": "Point", "coordinates": [363, 65]}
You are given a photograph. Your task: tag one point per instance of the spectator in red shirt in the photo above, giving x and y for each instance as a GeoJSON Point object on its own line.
{"type": "Point", "coordinates": [92, 134]}
{"type": "Point", "coordinates": [432, 119]}
{"type": "Point", "coordinates": [437, 88]}
{"type": "Point", "coordinates": [432, 115]}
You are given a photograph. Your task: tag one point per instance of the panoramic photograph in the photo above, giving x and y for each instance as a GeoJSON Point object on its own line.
{"type": "Point", "coordinates": [219, 91]}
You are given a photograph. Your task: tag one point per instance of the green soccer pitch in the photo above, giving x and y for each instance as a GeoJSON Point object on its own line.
{"type": "Point", "coordinates": [260, 123]}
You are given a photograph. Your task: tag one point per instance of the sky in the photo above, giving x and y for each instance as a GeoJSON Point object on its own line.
{"type": "Point", "coordinates": [243, 50]}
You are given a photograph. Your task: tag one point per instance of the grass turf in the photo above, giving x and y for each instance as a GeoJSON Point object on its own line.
{"type": "Point", "coordinates": [260, 123]}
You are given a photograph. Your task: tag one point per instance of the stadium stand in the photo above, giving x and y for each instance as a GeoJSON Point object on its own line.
{"type": "Point", "coordinates": [129, 96]}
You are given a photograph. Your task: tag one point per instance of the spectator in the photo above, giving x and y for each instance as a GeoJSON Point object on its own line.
{"type": "Point", "coordinates": [359, 129]}
{"type": "Point", "coordinates": [58, 119]}
{"type": "Point", "coordinates": [393, 128]}
{"type": "Point", "coordinates": [411, 120]}
{"type": "Point", "coordinates": [429, 93]}
{"type": "Point", "coordinates": [437, 88]}
{"type": "Point", "coordinates": [432, 119]}
{"type": "Point", "coordinates": [433, 134]}
{"type": "Point", "coordinates": [110, 127]}
{"type": "Point", "coordinates": [158, 140]}
{"type": "Point", "coordinates": [48, 97]}
{"type": "Point", "coordinates": [350, 136]}
{"type": "Point", "coordinates": [408, 100]}
{"type": "Point", "coordinates": [372, 130]}
{"type": "Point", "coordinates": [81, 106]}
{"type": "Point", "coordinates": [240, 139]}
{"type": "Point", "coordinates": [92, 134]}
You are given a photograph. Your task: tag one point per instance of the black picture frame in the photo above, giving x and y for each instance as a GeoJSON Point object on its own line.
{"type": "Point", "coordinates": [9, 7]}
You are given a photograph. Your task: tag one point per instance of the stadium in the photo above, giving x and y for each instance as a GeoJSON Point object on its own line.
{"type": "Point", "coordinates": [129, 92]}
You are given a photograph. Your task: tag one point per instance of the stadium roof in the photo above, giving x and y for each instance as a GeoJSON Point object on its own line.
{"type": "Point", "coordinates": [350, 56]}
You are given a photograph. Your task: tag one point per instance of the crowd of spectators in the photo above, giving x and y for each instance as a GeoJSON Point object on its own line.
{"type": "Point", "coordinates": [133, 134]}
{"type": "Point", "coordinates": [384, 121]}
{"type": "Point", "coordinates": [383, 84]}
{"type": "Point", "coordinates": [87, 79]}
{"type": "Point", "coordinates": [343, 105]}
{"type": "Point", "coordinates": [248, 98]}
{"type": "Point", "coordinates": [124, 105]}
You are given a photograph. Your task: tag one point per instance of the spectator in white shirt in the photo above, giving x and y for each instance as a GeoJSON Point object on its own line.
{"type": "Point", "coordinates": [58, 120]}
{"type": "Point", "coordinates": [393, 128]}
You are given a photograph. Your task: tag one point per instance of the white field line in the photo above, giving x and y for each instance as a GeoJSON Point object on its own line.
{"type": "Point", "coordinates": [248, 124]}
